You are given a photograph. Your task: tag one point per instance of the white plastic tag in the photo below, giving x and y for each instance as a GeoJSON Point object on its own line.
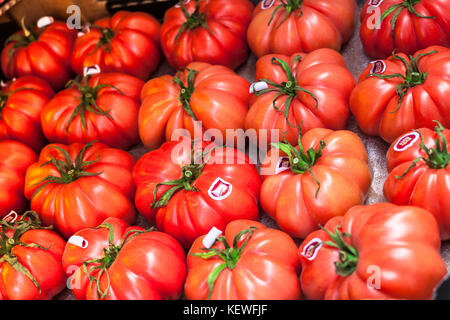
{"type": "Point", "coordinates": [78, 241]}
{"type": "Point", "coordinates": [91, 70]}
{"type": "Point", "coordinates": [211, 237]}
{"type": "Point", "coordinates": [45, 21]}
{"type": "Point", "coordinates": [258, 86]}
{"type": "Point", "coordinates": [11, 217]}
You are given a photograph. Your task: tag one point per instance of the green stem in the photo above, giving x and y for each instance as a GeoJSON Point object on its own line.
{"type": "Point", "coordinates": [186, 91]}
{"type": "Point", "coordinates": [105, 40]}
{"type": "Point", "coordinates": [194, 20]}
{"type": "Point", "coordinates": [290, 6]}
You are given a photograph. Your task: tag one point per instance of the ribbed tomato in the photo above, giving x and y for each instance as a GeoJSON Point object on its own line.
{"type": "Point", "coordinates": [21, 104]}
{"type": "Point", "coordinates": [290, 26]}
{"type": "Point", "coordinates": [117, 262]}
{"type": "Point", "coordinates": [249, 262]}
{"type": "Point", "coordinates": [419, 173]}
{"type": "Point", "coordinates": [402, 93]}
{"type": "Point", "coordinates": [381, 251]}
{"type": "Point", "coordinates": [78, 186]}
{"type": "Point", "coordinates": [303, 187]}
{"type": "Point", "coordinates": [212, 31]}
{"type": "Point", "coordinates": [127, 42]}
{"type": "Point", "coordinates": [190, 190]}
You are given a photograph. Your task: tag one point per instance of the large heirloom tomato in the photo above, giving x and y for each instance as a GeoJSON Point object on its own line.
{"type": "Point", "coordinates": [324, 176]}
{"type": "Point", "coordinates": [15, 158]}
{"type": "Point", "coordinates": [30, 259]}
{"type": "Point", "coordinates": [249, 262]}
{"type": "Point", "coordinates": [304, 90]}
{"type": "Point", "coordinates": [188, 190]}
{"type": "Point", "coordinates": [419, 173]}
{"type": "Point", "coordinates": [128, 42]}
{"type": "Point", "coordinates": [104, 108]}
{"type": "Point", "coordinates": [214, 95]}
{"type": "Point", "coordinates": [289, 26]}
{"type": "Point", "coordinates": [381, 251]}
{"type": "Point", "coordinates": [402, 93]}
{"type": "Point", "coordinates": [44, 52]}
{"type": "Point", "coordinates": [117, 262]}
{"type": "Point", "coordinates": [406, 25]}
{"type": "Point", "coordinates": [21, 104]}
{"type": "Point", "coordinates": [213, 31]}
{"type": "Point", "coordinates": [78, 186]}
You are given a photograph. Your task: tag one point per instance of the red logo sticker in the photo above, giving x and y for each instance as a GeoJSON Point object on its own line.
{"type": "Point", "coordinates": [266, 4]}
{"type": "Point", "coordinates": [220, 189]}
{"type": "Point", "coordinates": [311, 249]}
{"type": "Point", "coordinates": [378, 67]}
{"type": "Point", "coordinates": [282, 165]}
{"type": "Point", "coordinates": [406, 141]}
{"type": "Point", "coordinates": [375, 3]}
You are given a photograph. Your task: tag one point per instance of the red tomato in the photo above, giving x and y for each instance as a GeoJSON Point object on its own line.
{"type": "Point", "coordinates": [250, 262]}
{"type": "Point", "coordinates": [128, 42]}
{"type": "Point", "coordinates": [214, 95]}
{"type": "Point", "coordinates": [304, 90]}
{"type": "Point", "coordinates": [117, 262]}
{"type": "Point", "coordinates": [407, 25]}
{"type": "Point", "coordinates": [419, 173]}
{"type": "Point", "coordinates": [21, 104]}
{"type": "Point", "coordinates": [78, 186]}
{"type": "Point", "coordinates": [381, 251]}
{"type": "Point", "coordinates": [43, 52]}
{"type": "Point", "coordinates": [15, 158]}
{"type": "Point", "coordinates": [30, 267]}
{"type": "Point", "coordinates": [212, 31]}
{"type": "Point", "coordinates": [402, 93]}
{"type": "Point", "coordinates": [104, 108]}
{"type": "Point", "coordinates": [291, 26]}
{"type": "Point", "coordinates": [187, 194]}
{"type": "Point", "coordinates": [305, 187]}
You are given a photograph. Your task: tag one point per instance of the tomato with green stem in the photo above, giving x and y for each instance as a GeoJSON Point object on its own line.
{"type": "Point", "coordinates": [78, 186]}
{"type": "Point", "coordinates": [411, 92]}
{"type": "Point", "coordinates": [249, 262]}
{"type": "Point", "coordinates": [381, 251]}
{"type": "Point", "coordinates": [419, 173]}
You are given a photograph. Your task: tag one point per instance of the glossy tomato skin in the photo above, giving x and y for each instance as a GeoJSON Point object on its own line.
{"type": "Point", "coordinates": [411, 33]}
{"type": "Point", "coordinates": [48, 57]}
{"type": "Point", "coordinates": [86, 201]}
{"type": "Point", "coordinates": [219, 100]}
{"type": "Point", "coordinates": [421, 105]}
{"type": "Point", "coordinates": [190, 214]}
{"type": "Point", "coordinates": [422, 186]}
{"type": "Point", "coordinates": [344, 176]}
{"type": "Point", "coordinates": [133, 48]}
{"type": "Point", "coordinates": [398, 249]}
{"type": "Point", "coordinates": [268, 267]}
{"type": "Point", "coordinates": [150, 266]}
{"type": "Point", "coordinates": [21, 113]}
{"type": "Point", "coordinates": [323, 24]}
{"type": "Point", "coordinates": [44, 265]}
{"type": "Point", "coordinates": [227, 45]}
{"type": "Point", "coordinates": [120, 98]}
{"type": "Point", "coordinates": [15, 158]}
{"type": "Point", "coordinates": [324, 73]}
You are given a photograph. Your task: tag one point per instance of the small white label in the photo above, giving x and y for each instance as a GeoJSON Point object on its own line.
{"type": "Point", "coordinates": [375, 3]}
{"type": "Point", "coordinates": [78, 241]}
{"type": "Point", "coordinates": [266, 4]}
{"type": "Point", "coordinates": [311, 249]}
{"type": "Point", "coordinates": [211, 237]}
{"type": "Point", "coordinates": [3, 84]}
{"type": "Point", "coordinates": [258, 86]}
{"type": "Point", "coordinates": [85, 30]}
{"type": "Point", "coordinates": [185, 3]}
{"type": "Point", "coordinates": [91, 70]}
{"type": "Point", "coordinates": [220, 189]}
{"type": "Point", "coordinates": [406, 141]}
{"type": "Point", "coordinates": [378, 67]}
{"type": "Point", "coordinates": [282, 165]}
{"type": "Point", "coordinates": [45, 21]}
{"type": "Point", "coordinates": [11, 217]}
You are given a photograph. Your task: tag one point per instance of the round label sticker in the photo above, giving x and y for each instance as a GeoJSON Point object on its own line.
{"type": "Point", "coordinates": [220, 189]}
{"type": "Point", "coordinates": [406, 141]}
{"type": "Point", "coordinates": [266, 4]}
{"type": "Point", "coordinates": [375, 3]}
{"type": "Point", "coordinates": [282, 165]}
{"type": "Point", "coordinates": [311, 249]}
{"type": "Point", "coordinates": [378, 67]}
{"type": "Point", "coordinates": [78, 241]}
{"type": "Point", "coordinates": [211, 237]}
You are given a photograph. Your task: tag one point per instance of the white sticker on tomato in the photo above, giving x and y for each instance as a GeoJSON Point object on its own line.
{"type": "Point", "coordinates": [220, 189]}
{"type": "Point", "coordinates": [78, 241]}
{"type": "Point", "coordinates": [266, 4]}
{"type": "Point", "coordinates": [311, 249]}
{"type": "Point", "coordinates": [258, 86]}
{"type": "Point", "coordinates": [282, 165]}
{"type": "Point", "coordinates": [45, 21]}
{"type": "Point", "coordinates": [3, 84]}
{"type": "Point", "coordinates": [375, 3]}
{"type": "Point", "coordinates": [11, 217]}
{"type": "Point", "coordinates": [185, 2]}
{"type": "Point", "coordinates": [91, 70]}
{"type": "Point", "coordinates": [211, 237]}
{"type": "Point", "coordinates": [406, 141]}
{"type": "Point", "coordinates": [378, 67]}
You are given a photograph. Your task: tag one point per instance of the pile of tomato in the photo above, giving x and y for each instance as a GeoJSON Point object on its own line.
{"type": "Point", "coordinates": [76, 101]}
